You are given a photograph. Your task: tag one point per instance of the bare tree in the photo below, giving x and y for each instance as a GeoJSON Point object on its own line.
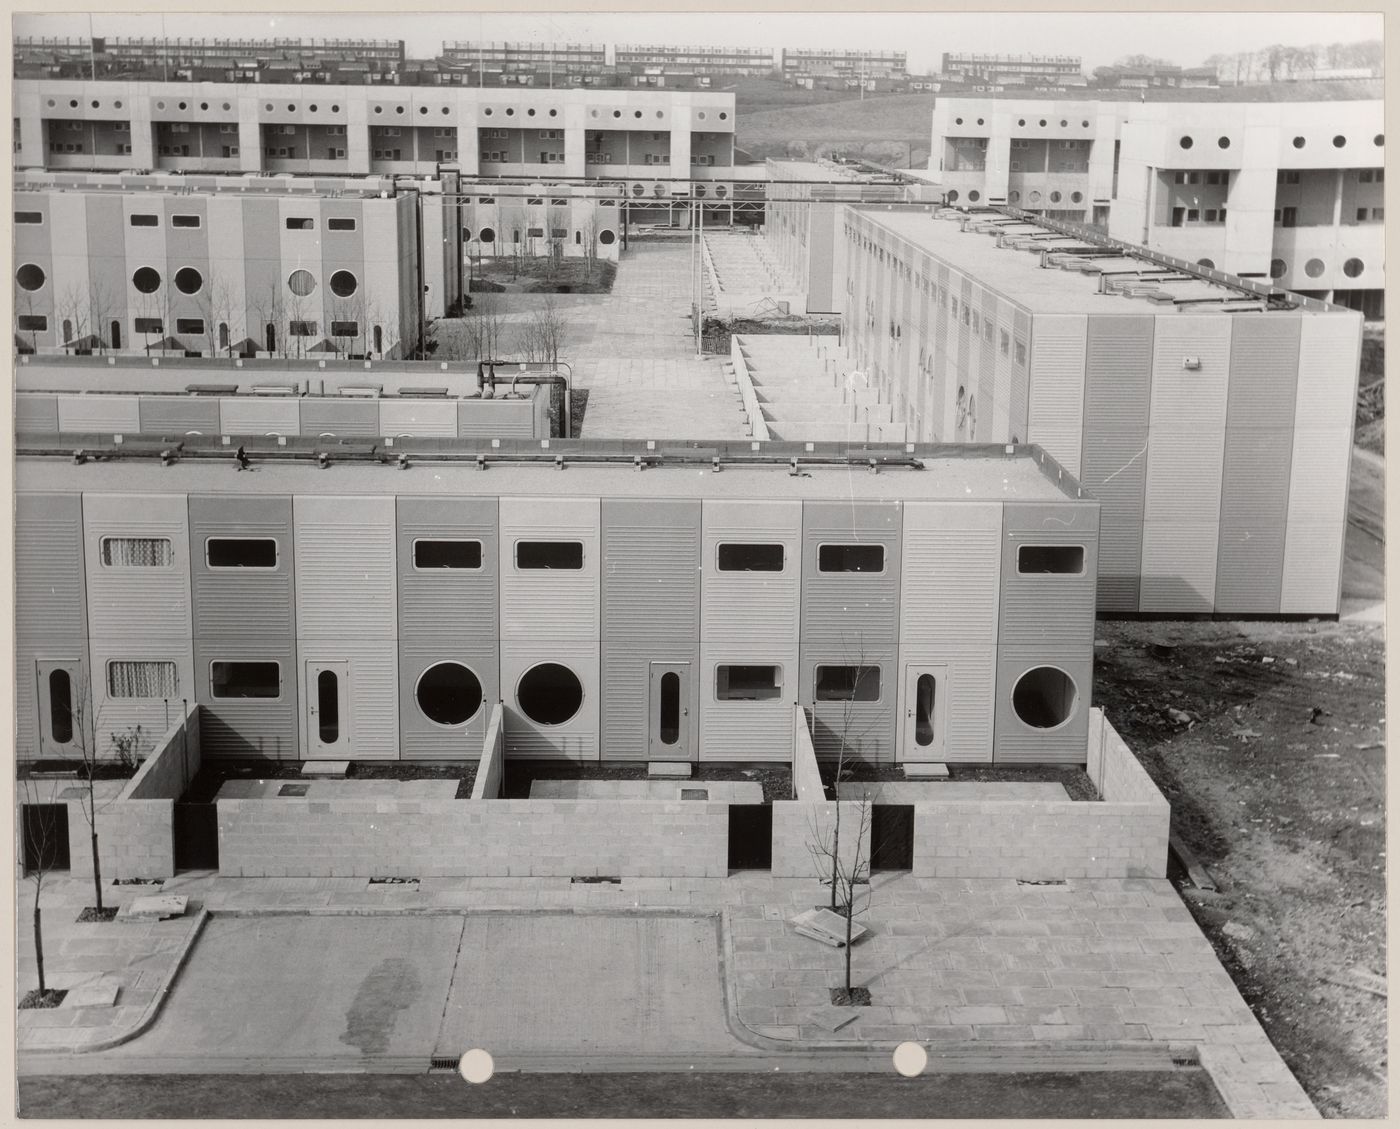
{"type": "Point", "coordinates": [557, 234]}
{"type": "Point", "coordinates": [100, 304]}
{"type": "Point", "coordinates": [41, 833]}
{"type": "Point", "coordinates": [270, 308]}
{"type": "Point", "coordinates": [849, 868]}
{"type": "Point", "coordinates": [542, 334]}
{"type": "Point", "coordinates": [73, 309]}
{"type": "Point", "coordinates": [216, 306]}
{"type": "Point", "coordinates": [590, 240]}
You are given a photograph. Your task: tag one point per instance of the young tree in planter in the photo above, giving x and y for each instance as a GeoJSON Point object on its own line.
{"type": "Point", "coordinates": [41, 835]}
{"type": "Point", "coordinates": [850, 870]}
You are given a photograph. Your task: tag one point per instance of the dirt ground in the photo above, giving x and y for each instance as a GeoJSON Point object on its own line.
{"type": "Point", "coordinates": [1268, 739]}
{"type": "Point", "coordinates": [1370, 397]}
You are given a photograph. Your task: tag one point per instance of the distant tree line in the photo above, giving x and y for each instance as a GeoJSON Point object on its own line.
{"type": "Point", "coordinates": [1280, 63]}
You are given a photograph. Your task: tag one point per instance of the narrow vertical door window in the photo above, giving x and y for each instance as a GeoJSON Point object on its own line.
{"type": "Point", "coordinates": [60, 706]}
{"type": "Point", "coordinates": [923, 711]}
{"type": "Point", "coordinates": [670, 707]}
{"type": "Point", "coordinates": [328, 706]}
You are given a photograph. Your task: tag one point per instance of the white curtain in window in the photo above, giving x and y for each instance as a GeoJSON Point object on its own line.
{"type": "Point", "coordinates": [142, 679]}
{"type": "Point", "coordinates": [137, 552]}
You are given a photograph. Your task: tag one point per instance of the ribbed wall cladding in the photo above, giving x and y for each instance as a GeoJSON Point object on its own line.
{"type": "Point", "coordinates": [751, 606]}
{"type": "Point", "coordinates": [550, 603]}
{"type": "Point", "coordinates": [248, 727]}
{"type": "Point", "coordinates": [253, 415]}
{"type": "Point", "coordinates": [748, 731]}
{"type": "Point", "coordinates": [333, 416]}
{"type": "Point", "coordinates": [950, 574]}
{"type": "Point", "coordinates": [866, 729]}
{"type": "Point", "coordinates": [1057, 387]}
{"type": "Point", "coordinates": [1255, 472]}
{"type": "Point", "coordinates": [36, 414]}
{"type": "Point", "coordinates": [1117, 396]}
{"type": "Point", "coordinates": [177, 416]}
{"type": "Point", "coordinates": [967, 690]}
{"type": "Point", "coordinates": [457, 604]}
{"type": "Point", "coordinates": [422, 738]}
{"type": "Point", "coordinates": [1181, 529]}
{"type": "Point", "coordinates": [1040, 608]}
{"type": "Point", "coordinates": [112, 413]}
{"type": "Point", "coordinates": [851, 611]}
{"type": "Point", "coordinates": [418, 418]}
{"type": "Point", "coordinates": [574, 739]}
{"type": "Point", "coordinates": [1064, 742]}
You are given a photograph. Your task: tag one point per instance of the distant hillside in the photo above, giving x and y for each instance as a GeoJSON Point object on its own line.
{"type": "Point", "coordinates": [886, 128]}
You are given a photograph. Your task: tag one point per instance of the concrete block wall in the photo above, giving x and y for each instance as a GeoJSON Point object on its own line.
{"type": "Point", "coordinates": [490, 769]}
{"type": "Point", "coordinates": [173, 763]}
{"type": "Point", "coordinates": [1114, 770]}
{"type": "Point", "coordinates": [806, 776]}
{"type": "Point", "coordinates": [517, 838]}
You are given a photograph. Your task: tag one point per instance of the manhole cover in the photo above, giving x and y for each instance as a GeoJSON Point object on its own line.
{"type": "Point", "coordinates": [293, 789]}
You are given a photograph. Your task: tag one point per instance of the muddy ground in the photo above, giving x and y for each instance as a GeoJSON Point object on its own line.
{"type": "Point", "coordinates": [1267, 738]}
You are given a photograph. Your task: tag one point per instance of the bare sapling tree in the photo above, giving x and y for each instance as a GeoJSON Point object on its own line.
{"type": "Point", "coordinates": [542, 334]}
{"type": "Point", "coordinates": [590, 240]}
{"type": "Point", "coordinates": [42, 833]}
{"type": "Point", "coordinates": [849, 869]}
{"type": "Point", "coordinates": [73, 311]}
{"type": "Point", "coordinates": [557, 233]}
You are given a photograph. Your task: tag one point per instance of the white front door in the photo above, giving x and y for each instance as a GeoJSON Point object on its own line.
{"type": "Point", "coordinates": [61, 705]}
{"type": "Point", "coordinates": [668, 727]}
{"type": "Point", "coordinates": [924, 734]}
{"type": "Point", "coordinates": [327, 713]}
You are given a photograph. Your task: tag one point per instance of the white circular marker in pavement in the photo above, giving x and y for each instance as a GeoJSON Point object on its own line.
{"type": "Point", "coordinates": [477, 1066]}
{"type": "Point", "coordinates": [910, 1059]}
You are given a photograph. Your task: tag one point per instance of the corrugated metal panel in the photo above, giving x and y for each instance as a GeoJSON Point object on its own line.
{"type": "Point", "coordinates": [421, 738]}
{"type": "Point", "coordinates": [326, 415]}
{"type": "Point", "coordinates": [50, 597]}
{"type": "Point", "coordinates": [345, 581]}
{"type": "Point", "coordinates": [36, 413]}
{"type": "Point", "coordinates": [50, 594]}
{"type": "Point", "coordinates": [477, 419]}
{"type": "Point", "coordinates": [1016, 741]}
{"type": "Point", "coordinates": [851, 610]}
{"type": "Point", "coordinates": [418, 418]}
{"type": "Point", "coordinates": [1118, 387]}
{"type": "Point", "coordinates": [1009, 405]}
{"type": "Point", "coordinates": [1049, 609]}
{"type": "Point", "coordinates": [751, 606]}
{"type": "Point", "coordinates": [1020, 376]}
{"type": "Point", "coordinates": [1255, 469]}
{"type": "Point", "coordinates": [1057, 386]}
{"type": "Point", "coordinates": [153, 715]}
{"type": "Point", "coordinates": [247, 727]}
{"type": "Point", "coordinates": [137, 602]}
{"type": "Point", "coordinates": [545, 603]}
{"type": "Point", "coordinates": [257, 415]}
{"type": "Point", "coordinates": [1185, 458]}
{"type": "Point", "coordinates": [970, 686]}
{"type": "Point", "coordinates": [950, 574]}
{"type": "Point", "coordinates": [459, 604]}
{"type": "Point", "coordinates": [1328, 356]}
{"type": "Point", "coordinates": [747, 731]}
{"type": "Point", "coordinates": [179, 415]}
{"type": "Point", "coordinates": [242, 601]}
{"type": "Point", "coordinates": [866, 728]}
{"type": "Point", "coordinates": [117, 414]}
{"type": "Point", "coordinates": [577, 738]}
{"type": "Point", "coordinates": [626, 684]}
{"type": "Point", "coordinates": [651, 568]}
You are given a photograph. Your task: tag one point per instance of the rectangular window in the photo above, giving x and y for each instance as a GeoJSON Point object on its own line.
{"type": "Point", "coordinates": [535, 232]}
{"type": "Point", "coordinates": [1067, 560]}
{"type": "Point", "coordinates": [245, 679]}
{"type": "Point", "coordinates": [851, 558]}
{"type": "Point", "coordinates": [1365, 176]}
{"type": "Point", "coordinates": [230, 150]}
{"type": "Point", "coordinates": [142, 679]}
{"type": "Point", "coordinates": [1020, 352]}
{"type": "Point", "coordinates": [848, 684]}
{"type": "Point", "coordinates": [750, 558]}
{"type": "Point", "coordinates": [185, 221]}
{"type": "Point", "coordinates": [549, 555]}
{"type": "Point", "coordinates": [1005, 343]}
{"type": "Point", "coordinates": [302, 328]}
{"type": "Point", "coordinates": [1192, 215]}
{"type": "Point", "coordinates": [189, 325]}
{"type": "Point", "coordinates": [29, 217]}
{"type": "Point", "coordinates": [747, 683]}
{"type": "Point", "coordinates": [335, 131]}
{"type": "Point", "coordinates": [340, 223]}
{"type": "Point", "coordinates": [149, 325]}
{"type": "Point", "coordinates": [140, 219]}
{"type": "Point", "coordinates": [32, 323]}
{"type": "Point", "coordinates": [1360, 215]}
{"type": "Point", "coordinates": [1288, 176]}
{"type": "Point", "coordinates": [300, 223]}
{"type": "Point", "coordinates": [241, 552]}
{"type": "Point", "coordinates": [137, 552]}
{"type": "Point", "coordinates": [337, 154]}
{"type": "Point", "coordinates": [433, 554]}
{"type": "Point", "coordinates": [345, 329]}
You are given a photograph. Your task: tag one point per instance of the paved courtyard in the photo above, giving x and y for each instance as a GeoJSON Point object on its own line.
{"type": "Point", "coordinates": [985, 974]}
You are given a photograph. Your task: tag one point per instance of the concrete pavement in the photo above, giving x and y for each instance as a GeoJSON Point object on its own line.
{"type": "Point", "coordinates": [1002, 972]}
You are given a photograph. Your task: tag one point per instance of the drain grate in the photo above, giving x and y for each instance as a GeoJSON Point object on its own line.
{"type": "Point", "coordinates": [616, 881]}
{"type": "Point", "coordinates": [695, 793]}
{"type": "Point", "coordinates": [439, 1063]}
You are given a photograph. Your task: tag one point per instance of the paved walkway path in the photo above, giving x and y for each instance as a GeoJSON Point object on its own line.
{"type": "Point", "coordinates": [987, 969]}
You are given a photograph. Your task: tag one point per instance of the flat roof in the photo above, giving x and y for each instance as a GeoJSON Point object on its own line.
{"type": "Point", "coordinates": [1137, 281]}
{"type": "Point", "coordinates": [1334, 90]}
{"type": "Point", "coordinates": [937, 473]}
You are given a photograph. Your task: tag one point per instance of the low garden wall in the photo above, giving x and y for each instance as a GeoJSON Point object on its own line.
{"type": "Point", "coordinates": [490, 769]}
{"type": "Point", "coordinates": [296, 837]}
{"type": "Point", "coordinates": [1122, 836]}
{"type": "Point", "coordinates": [758, 425]}
{"type": "Point", "coordinates": [136, 827]}
{"type": "Point", "coordinates": [806, 776]}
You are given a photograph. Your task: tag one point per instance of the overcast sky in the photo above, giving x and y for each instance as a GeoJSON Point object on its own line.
{"type": "Point", "coordinates": [1098, 37]}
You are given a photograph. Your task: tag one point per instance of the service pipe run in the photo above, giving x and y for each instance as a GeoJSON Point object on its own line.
{"type": "Point", "coordinates": [560, 380]}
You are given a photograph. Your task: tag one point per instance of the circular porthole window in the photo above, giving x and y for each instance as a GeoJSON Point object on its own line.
{"type": "Point", "coordinates": [1076, 197]}
{"type": "Point", "coordinates": [636, 113]}
{"type": "Point", "coordinates": [1339, 141]}
{"type": "Point", "coordinates": [553, 113]}
{"type": "Point", "coordinates": [1353, 267]}
{"type": "Point", "coordinates": [1207, 263]}
{"type": "Point", "coordinates": [301, 283]}
{"type": "Point", "coordinates": [617, 113]}
{"type": "Point", "coordinates": [343, 284]}
{"type": "Point", "coordinates": [974, 196]}
{"type": "Point", "coordinates": [188, 280]}
{"type": "Point", "coordinates": [486, 235]}
{"type": "Point", "coordinates": [981, 121]}
{"type": "Point", "coordinates": [701, 115]}
{"type": "Point", "coordinates": [1299, 142]}
{"type": "Point", "coordinates": [146, 280]}
{"type": "Point", "coordinates": [448, 693]}
{"type": "Point", "coordinates": [1380, 137]}
{"type": "Point", "coordinates": [1055, 197]}
{"type": "Point", "coordinates": [723, 115]}
{"type": "Point", "coordinates": [722, 191]}
{"type": "Point", "coordinates": [1064, 123]}
{"type": "Point", "coordinates": [1186, 142]}
{"type": "Point", "coordinates": [291, 107]}
{"type": "Point", "coordinates": [313, 107]}
{"type": "Point", "coordinates": [1313, 268]}
{"type": "Point", "coordinates": [637, 190]}
{"type": "Point", "coordinates": [1035, 197]}
{"type": "Point", "coordinates": [549, 694]}
{"type": "Point", "coordinates": [1020, 121]}
{"type": "Point", "coordinates": [952, 197]}
{"type": "Point", "coordinates": [530, 113]}
{"type": "Point", "coordinates": [1044, 697]}
{"type": "Point", "coordinates": [30, 277]}
{"type": "Point", "coordinates": [399, 110]}
{"type": "Point", "coordinates": [607, 237]}
{"type": "Point", "coordinates": [488, 111]}
{"type": "Point", "coordinates": [1042, 123]}
{"type": "Point", "coordinates": [1085, 123]}
{"type": "Point", "coordinates": [700, 190]}
{"type": "Point", "coordinates": [957, 121]}
{"type": "Point", "coordinates": [183, 105]}
{"type": "Point", "coordinates": [1277, 268]}
{"type": "Point", "coordinates": [1014, 196]}
{"type": "Point", "coordinates": [1223, 142]}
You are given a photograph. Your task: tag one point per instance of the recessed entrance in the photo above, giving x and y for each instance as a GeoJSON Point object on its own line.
{"type": "Point", "coordinates": [668, 736]}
